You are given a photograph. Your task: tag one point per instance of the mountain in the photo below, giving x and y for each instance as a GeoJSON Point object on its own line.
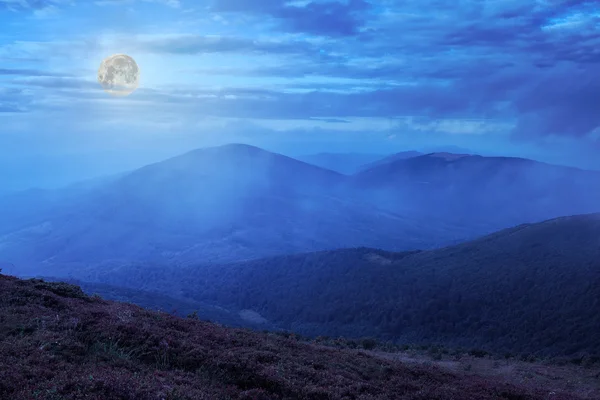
{"type": "Point", "coordinates": [163, 302]}
{"type": "Point", "coordinates": [58, 343]}
{"type": "Point", "coordinates": [534, 289]}
{"type": "Point", "coordinates": [23, 208]}
{"type": "Point", "coordinates": [403, 155]}
{"type": "Point", "coordinates": [446, 149]}
{"type": "Point", "coordinates": [219, 204]}
{"type": "Point", "coordinates": [238, 202]}
{"type": "Point", "coordinates": [492, 192]}
{"type": "Point", "coordinates": [345, 163]}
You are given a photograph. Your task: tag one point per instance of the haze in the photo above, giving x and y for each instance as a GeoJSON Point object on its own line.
{"type": "Point", "coordinates": [403, 181]}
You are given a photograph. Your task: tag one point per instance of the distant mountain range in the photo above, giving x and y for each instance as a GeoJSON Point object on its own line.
{"type": "Point", "coordinates": [389, 159]}
{"type": "Point", "coordinates": [489, 192]}
{"type": "Point", "coordinates": [218, 204]}
{"type": "Point", "coordinates": [534, 288]}
{"type": "Point", "coordinates": [239, 202]}
{"type": "Point", "coordinates": [344, 163]}
{"type": "Point", "coordinates": [351, 163]}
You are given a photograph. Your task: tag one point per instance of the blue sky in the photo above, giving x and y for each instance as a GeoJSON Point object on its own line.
{"type": "Point", "coordinates": [511, 77]}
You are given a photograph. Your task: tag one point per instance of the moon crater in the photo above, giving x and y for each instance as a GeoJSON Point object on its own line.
{"type": "Point", "coordinates": [119, 75]}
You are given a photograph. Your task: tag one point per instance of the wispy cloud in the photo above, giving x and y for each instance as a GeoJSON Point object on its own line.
{"type": "Point", "coordinates": [198, 44]}
{"type": "Point", "coordinates": [30, 72]}
{"type": "Point", "coordinates": [170, 3]}
{"type": "Point", "coordinates": [18, 5]}
{"type": "Point", "coordinates": [327, 18]}
{"type": "Point", "coordinates": [526, 70]}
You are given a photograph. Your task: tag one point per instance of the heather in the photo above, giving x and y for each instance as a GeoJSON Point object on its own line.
{"type": "Point", "coordinates": [58, 343]}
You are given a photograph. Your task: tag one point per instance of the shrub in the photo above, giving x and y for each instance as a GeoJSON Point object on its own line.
{"type": "Point", "coordinates": [193, 315]}
{"type": "Point", "coordinates": [478, 353]}
{"type": "Point", "coordinates": [368, 343]}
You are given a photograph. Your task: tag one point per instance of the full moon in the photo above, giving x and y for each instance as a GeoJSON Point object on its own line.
{"type": "Point", "coordinates": [119, 75]}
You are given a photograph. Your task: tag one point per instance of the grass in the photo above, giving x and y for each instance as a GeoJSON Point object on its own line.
{"type": "Point", "coordinates": [57, 343]}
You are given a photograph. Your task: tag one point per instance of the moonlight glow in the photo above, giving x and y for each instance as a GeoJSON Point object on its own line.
{"type": "Point", "coordinates": [119, 75]}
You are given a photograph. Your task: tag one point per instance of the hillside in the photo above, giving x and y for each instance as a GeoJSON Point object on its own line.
{"type": "Point", "coordinates": [344, 163]}
{"type": "Point", "coordinates": [491, 192]}
{"type": "Point", "coordinates": [221, 204]}
{"type": "Point", "coordinates": [530, 289]}
{"type": "Point", "coordinates": [58, 343]}
{"type": "Point", "coordinates": [403, 155]}
{"type": "Point", "coordinates": [163, 302]}
{"type": "Point", "coordinates": [238, 203]}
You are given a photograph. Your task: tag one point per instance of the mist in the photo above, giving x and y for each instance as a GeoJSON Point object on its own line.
{"type": "Point", "coordinates": [299, 200]}
{"type": "Point", "coordinates": [238, 202]}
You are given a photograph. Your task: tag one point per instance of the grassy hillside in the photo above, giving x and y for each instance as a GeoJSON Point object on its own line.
{"type": "Point", "coordinates": [531, 289]}
{"type": "Point", "coordinates": [162, 302]}
{"type": "Point", "coordinates": [57, 343]}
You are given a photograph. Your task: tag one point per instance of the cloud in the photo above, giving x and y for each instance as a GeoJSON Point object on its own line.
{"type": "Point", "coordinates": [325, 18]}
{"type": "Point", "coordinates": [55, 82]}
{"type": "Point", "coordinates": [13, 100]}
{"type": "Point", "coordinates": [331, 120]}
{"type": "Point", "coordinates": [565, 102]}
{"type": "Point", "coordinates": [19, 5]}
{"type": "Point", "coordinates": [9, 109]}
{"type": "Point", "coordinates": [199, 44]}
{"type": "Point", "coordinates": [170, 3]}
{"type": "Point", "coordinates": [530, 64]}
{"type": "Point", "coordinates": [30, 72]}
{"type": "Point", "coordinates": [33, 5]}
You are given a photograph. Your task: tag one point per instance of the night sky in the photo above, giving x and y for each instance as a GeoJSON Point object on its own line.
{"type": "Point", "coordinates": [497, 77]}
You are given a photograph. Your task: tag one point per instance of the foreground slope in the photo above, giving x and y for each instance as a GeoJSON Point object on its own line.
{"type": "Point", "coordinates": [530, 289]}
{"type": "Point", "coordinates": [220, 204]}
{"type": "Point", "coordinates": [57, 343]}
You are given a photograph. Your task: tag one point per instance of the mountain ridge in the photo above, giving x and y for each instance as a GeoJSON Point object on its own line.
{"type": "Point", "coordinates": [219, 204]}
{"type": "Point", "coordinates": [391, 158]}
{"type": "Point", "coordinates": [240, 202]}
{"type": "Point", "coordinates": [345, 163]}
{"type": "Point", "coordinates": [496, 191]}
{"type": "Point", "coordinates": [462, 295]}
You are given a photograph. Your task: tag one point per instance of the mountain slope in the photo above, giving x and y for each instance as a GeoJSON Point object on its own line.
{"type": "Point", "coordinates": [33, 206]}
{"type": "Point", "coordinates": [58, 343]}
{"type": "Point", "coordinates": [164, 302]}
{"type": "Point", "coordinates": [403, 155]}
{"type": "Point", "coordinates": [494, 191]}
{"type": "Point", "coordinates": [239, 202]}
{"type": "Point", "coordinates": [529, 289]}
{"type": "Point", "coordinates": [345, 163]}
{"type": "Point", "coordinates": [218, 204]}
